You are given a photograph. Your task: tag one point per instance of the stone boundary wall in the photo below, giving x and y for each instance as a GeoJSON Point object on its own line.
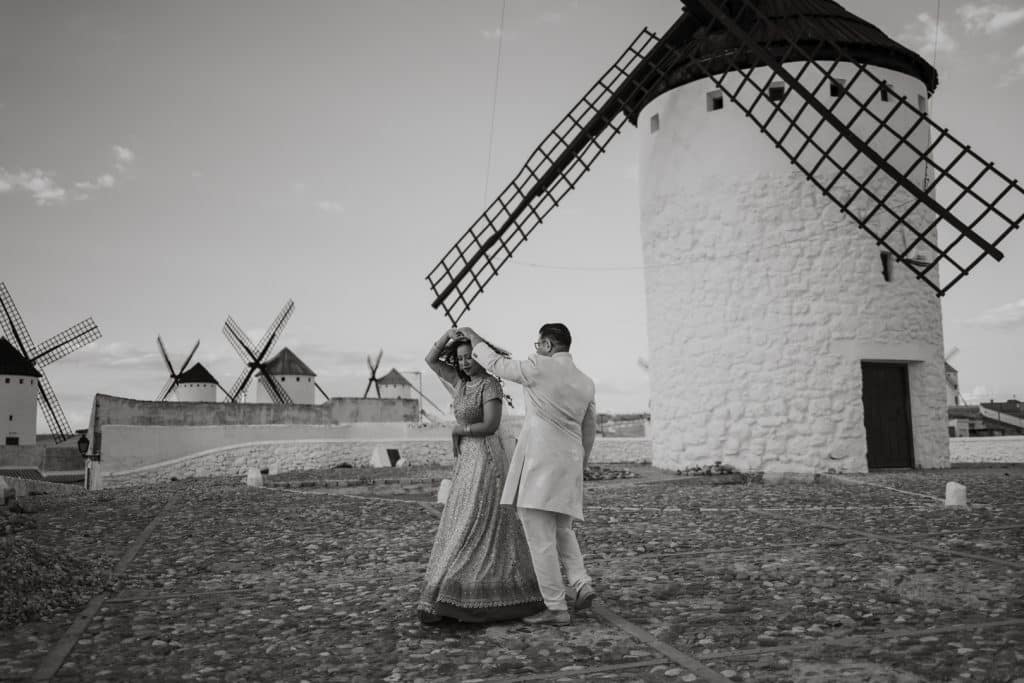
{"type": "Point", "coordinates": [999, 449]}
{"type": "Point", "coordinates": [50, 488]}
{"type": "Point", "coordinates": [45, 458]}
{"type": "Point", "coordinates": [325, 453]}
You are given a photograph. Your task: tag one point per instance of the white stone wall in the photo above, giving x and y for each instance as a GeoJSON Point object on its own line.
{"type": "Point", "coordinates": [322, 454]}
{"type": "Point", "coordinates": [1000, 449]}
{"type": "Point", "coordinates": [196, 392]}
{"type": "Point", "coordinates": [301, 389]}
{"type": "Point", "coordinates": [18, 409]}
{"type": "Point", "coordinates": [763, 300]}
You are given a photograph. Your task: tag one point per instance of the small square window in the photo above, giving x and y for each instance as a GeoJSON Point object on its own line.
{"type": "Point", "coordinates": [11, 441]}
{"type": "Point", "coordinates": [837, 87]}
{"type": "Point", "coordinates": [10, 418]}
{"type": "Point", "coordinates": [655, 123]}
{"type": "Point", "coordinates": [21, 380]}
{"type": "Point", "coordinates": [776, 92]}
{"type": "Point", "coordinates": [715, 100]}
{"type": "Point", "coordinates": [922, 104]}
{"type": "Point", "coordinates": [886, 91]}
{"type": "Point", "coordinates": [7, 380]}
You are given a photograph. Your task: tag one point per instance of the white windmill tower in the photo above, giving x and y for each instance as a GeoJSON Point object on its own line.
{"type": "Point", "coordinates": [14, 402]}
{"type": "Point", "coordinates": [788, 174]}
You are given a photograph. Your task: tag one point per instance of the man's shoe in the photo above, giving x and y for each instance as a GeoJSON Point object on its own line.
{"type": "Point", "coordinates": [584, 597]}
{"type": "Point", "coordinates": [552, 617]}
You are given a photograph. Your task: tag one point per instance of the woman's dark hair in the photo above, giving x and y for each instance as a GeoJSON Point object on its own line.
{"type": "Point", "coordinates": [557, 333]}
{"type": "Point", "coordinates": [450, 356]}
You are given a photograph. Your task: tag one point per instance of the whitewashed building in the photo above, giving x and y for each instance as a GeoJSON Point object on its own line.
{"type": "Point", "coordinates": [19, 386]}
{"type": "Point", "coordinates": [293, 375]}
{"type": "Point", "coordinates": [781, 338]}
{"type": "Point", "coordinates": [395, 385]}
{"type": "Point", "coordinates": [196, 385]}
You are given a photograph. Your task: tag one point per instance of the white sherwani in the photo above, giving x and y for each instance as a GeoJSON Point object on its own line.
{"type": "Point", "coordinates": [546, 472]}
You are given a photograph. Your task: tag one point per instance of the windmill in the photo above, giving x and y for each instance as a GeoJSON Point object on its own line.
{"type": "Point", "coordinates": [786, 146]}
{"type": "Point", "coordinates": [50, 350]}
{"type": "Point", "coordinates": [197, 375]}
{"type": "Point", "coordinates": [172, 381]}
{"type": "Point", "coordinates": [256, 356]}
{"type": "Point", "coordinates": [373, 381]}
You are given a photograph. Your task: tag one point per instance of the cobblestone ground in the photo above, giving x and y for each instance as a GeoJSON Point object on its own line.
{"type": "Point", "coordinates": [865, 578]}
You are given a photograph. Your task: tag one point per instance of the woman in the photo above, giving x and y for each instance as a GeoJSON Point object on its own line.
{"type": "Point", "coordinates": [480, 568]}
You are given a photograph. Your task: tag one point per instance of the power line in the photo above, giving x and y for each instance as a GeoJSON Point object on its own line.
{"type": "Point", "coordinates": [494, 101]}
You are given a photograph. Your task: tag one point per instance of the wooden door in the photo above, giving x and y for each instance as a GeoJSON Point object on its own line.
{"type": "Point", "coordinates": [887, 415]}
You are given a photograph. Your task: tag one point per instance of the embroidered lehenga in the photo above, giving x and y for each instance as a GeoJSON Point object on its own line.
{"type": "Point", "coordinates": [480, 568]}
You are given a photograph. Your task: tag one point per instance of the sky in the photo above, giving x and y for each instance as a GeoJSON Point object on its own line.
{"type": "Point", "coordinates": [166, 164]}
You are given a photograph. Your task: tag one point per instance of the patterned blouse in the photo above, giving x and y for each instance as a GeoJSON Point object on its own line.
{"type": "Point", "coordinates": [470, 397]}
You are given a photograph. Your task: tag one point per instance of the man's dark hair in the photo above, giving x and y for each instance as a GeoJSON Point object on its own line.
{"type": "Point", "coordinates": [557, 333]}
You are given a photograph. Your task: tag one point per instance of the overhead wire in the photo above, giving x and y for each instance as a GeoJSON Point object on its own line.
{"type": "Point", "coordinates": [494, 101]}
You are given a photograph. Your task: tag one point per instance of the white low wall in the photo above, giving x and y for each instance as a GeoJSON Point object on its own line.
{"type": "Point", "coordinates": [1003, 449]}
{"type": "Point", "coordinates": [131, 447]}
{"type": "Point", "coordinates": [311, 454]}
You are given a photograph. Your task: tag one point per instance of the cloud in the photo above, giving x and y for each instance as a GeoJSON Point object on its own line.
{"type": "Point", "coordinates": [1007, 316]}
{"type": "Point", "coordinates": [45, 190]}
{"type": "Point", "coordinates": [989, 18]}
{"type": "Point", "coordinates": [976, 395]}
{"type": "Point", "coordinates": [496, 33]}
{"type": "Point", "coordinates": [117, 355]}
{"type": "Point", "coordinates": [920, 36]}
{"type": "Point", "coordinates": [330, 206]}
{"type": "Point", "coordinates": [124, 157]}
{"type": "Point", "coordinates": [1016, 72]}
{"type": "Point", "coordinates": [40, 184]}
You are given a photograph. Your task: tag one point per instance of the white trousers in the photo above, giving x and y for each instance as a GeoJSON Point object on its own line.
{"type": "Point", "coordinates": [551, 539]}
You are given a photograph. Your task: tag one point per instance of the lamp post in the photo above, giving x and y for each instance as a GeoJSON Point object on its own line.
{"type": "Point", "coordinates": [92, 462]}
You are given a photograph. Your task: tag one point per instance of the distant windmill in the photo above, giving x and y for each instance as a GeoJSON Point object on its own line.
{"type": "Point", "coordinates": [256, 356]}
{"type": "Point", "coordinates": [185, 375]}
{"type": "Point", "coordinates": [52, 349]}
{"type": "Point", "coordinates": [172, 381]}
{"type": "Point", "coordinates": [373, 381]}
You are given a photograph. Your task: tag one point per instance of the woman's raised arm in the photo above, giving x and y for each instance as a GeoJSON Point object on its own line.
{"type": "Point", "coordinates": [447, 373]}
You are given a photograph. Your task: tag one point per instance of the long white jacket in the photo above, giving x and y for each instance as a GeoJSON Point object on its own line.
{"type": "Point", "coordinates": [546, 471]}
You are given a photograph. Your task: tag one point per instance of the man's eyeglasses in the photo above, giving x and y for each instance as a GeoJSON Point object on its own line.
{"type": "Point", "coordinates": [537, 345]}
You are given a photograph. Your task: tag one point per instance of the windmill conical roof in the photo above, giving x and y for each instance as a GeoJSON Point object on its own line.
{"type": "Point", "coordinates": [197, 374]}
{"type": "Point", "coordinates": [287, 363]}
{"type": "Point", "coordinates": [394, 378]}
{"type": "Point", "coordinates": [13, 363]}
{"type": "Point", "coordinates": [814, 23]}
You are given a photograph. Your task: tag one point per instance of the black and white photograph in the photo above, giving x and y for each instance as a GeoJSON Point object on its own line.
{"type": "Point", "coordinates": [512, 340]}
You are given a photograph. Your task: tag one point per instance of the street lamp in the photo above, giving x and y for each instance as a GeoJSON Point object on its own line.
{"type": "Point", "coordinates": [83, 445]}
{"type": "Point", "coordinates": [92, 462]}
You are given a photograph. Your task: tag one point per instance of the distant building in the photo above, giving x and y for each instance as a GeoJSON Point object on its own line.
{"type": "Point", "coordinates": [19, 385]}
{"type": "Point", "coordinates": [293, 375]}
{"type": "Point", "coordinates": [395, 385]}
{"type": "Point", "coordinates": [987, 419]}
{"type": "Point", "coordinates": [196, 385]}
{"type": "Point", "coordinates": [952, 386]}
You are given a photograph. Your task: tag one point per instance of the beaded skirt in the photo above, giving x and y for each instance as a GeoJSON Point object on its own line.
{"type": "Point", "coordinates": [479, 568]}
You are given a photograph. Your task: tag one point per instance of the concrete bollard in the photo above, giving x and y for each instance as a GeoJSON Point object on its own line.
{"type": "Point", "coordinates": [443, 490]}
{"type": "Point", "coordinates": [956, 494]}
{"type": "Point", "coordinates": [380, 458]}
{"type": "Point", "coordinates": [401, 462]}
{"type": "Point", "coordinates": [254, 478]}
{"type": "Point", "coordinates": [274, 469]}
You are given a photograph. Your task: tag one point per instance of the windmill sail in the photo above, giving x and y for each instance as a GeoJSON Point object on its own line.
{"type": "Point", "coordinates": [255, 357]}
{"type": "Point", "coordinates": [881, 175]}
{"type": "Point", "coordinates": [553, 170]}
{"type": "Point", "coordinates": [882, 170]}
{"type": "Point", "coordinates": [54, 348]}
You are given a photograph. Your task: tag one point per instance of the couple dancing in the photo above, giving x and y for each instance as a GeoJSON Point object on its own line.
{"type": "Point", "coordinates": [506, 526]}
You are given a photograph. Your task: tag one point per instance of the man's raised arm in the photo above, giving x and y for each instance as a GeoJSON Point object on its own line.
{"type": "Point", "coordinates": [518, 371]}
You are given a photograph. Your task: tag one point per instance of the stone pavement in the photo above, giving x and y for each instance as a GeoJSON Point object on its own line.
{"type": "Point", "coordinates": [859, 578]}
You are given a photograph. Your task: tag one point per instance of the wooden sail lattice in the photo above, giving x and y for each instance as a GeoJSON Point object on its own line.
{"type": "Point", "coordinates": [53, 349]}
{"type": "Point", "coordinates": [850, 156]}
{"type": "Point", "coordinates": [255, 356]}
{"type": "Point", "coordinates": [552, 171]}
{"type": "Point", "coordinates": [850, 152]}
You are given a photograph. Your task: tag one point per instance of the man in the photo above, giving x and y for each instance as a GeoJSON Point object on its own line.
{"type": "Point", "coordinates": [545, 477]}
